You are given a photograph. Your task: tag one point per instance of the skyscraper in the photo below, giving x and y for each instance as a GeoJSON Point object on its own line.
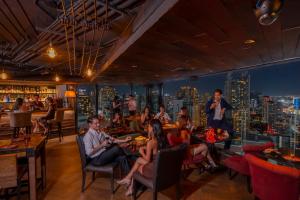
{"type": "Point", "coordinates": [237, 93]}
{"type": "Point", "coordinates": [106, 96]}
{"type": "Point", "coordinates": [190, 97]}
{"type": "Point", "coordinates": [266, 108]}
{"type": "Point", "coordinates": [203, 100]}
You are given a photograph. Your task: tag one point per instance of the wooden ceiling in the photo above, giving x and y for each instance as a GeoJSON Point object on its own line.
{"type": "Point", "coordinates": [205, 37]}
{"type": "Point", "coordinates": [28, 26]}
{"type": "Point", "coordinates": [193, 38]}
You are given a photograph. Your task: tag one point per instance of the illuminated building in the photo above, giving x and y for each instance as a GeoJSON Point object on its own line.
{"type": "Point", "coordinates": [237, 93]}
{"type": "Point", "coordinates": [202, 104]}
{"type": "Point", "coordinates": [190, 97]}
{"type": "Point", "coordinates": [106, 96]}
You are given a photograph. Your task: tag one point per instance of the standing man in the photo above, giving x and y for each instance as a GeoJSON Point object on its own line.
{"type": "Point", "coordinates": [102, 148]}
{"type": "Point", "coordinates": [132, 105]}
{"type": "Point", "coordinates": [215, 110]}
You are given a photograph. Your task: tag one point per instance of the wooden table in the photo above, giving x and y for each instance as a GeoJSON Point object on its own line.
{"type": "Point", "coordinates": [170, 128]}
{"type": "Point", "coordinates": [280, 159]}
{"type": "Point", "coordinates": [118, 131]}
{"type": "Point", "coordinates": [34, 148]}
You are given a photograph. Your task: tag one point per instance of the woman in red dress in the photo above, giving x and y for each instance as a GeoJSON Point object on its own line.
{"type": "Point", "coordinates": [185, 137]}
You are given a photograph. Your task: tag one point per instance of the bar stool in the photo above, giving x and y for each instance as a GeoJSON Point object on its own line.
{"type": "Point", "coordinates": [20, 120]}
{"type": "Point", "coordinates": [56, 123]}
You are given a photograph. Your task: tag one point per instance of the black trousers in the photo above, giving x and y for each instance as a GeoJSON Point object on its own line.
{"type": "Point", "coordinates": [223, 124]}
{"type": "Point", "coordinates": [113, 154]}
{"type": "Point", "coordinates": [132, 112]}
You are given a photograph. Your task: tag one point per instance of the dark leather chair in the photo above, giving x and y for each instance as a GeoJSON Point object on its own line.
{"type": "Point", "coordinates": [167, 171]}
{"type": "Point", "coordinates": [87, 167]}
{"type": "Point", "coordinates": [55, 125]}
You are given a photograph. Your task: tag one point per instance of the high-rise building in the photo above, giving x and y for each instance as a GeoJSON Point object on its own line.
{"type": "Point", "coordinates": [106, 96]}
{"type": "Point", "coordinates": [170, 105]}
{"type": "Point", "coordinates": [203, 100]}
{"type": "Point", "coordinates": [296, 125]}
{"type": "Point", "coordinates": [266, 109]}
{"type": "Point", "coordinates": [190, 97]}
{"type": "Point", "coordinates": [237, 93]}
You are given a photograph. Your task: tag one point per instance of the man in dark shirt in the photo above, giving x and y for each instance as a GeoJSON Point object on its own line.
{"type": "Point", "coordinates": [215, 110]}
{"type": "Point", "coordinates": [37, 104]}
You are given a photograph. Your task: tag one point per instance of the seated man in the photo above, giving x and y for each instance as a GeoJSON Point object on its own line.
{"type": "Point", "coordinates": [37, 104]}
{"type": "Point", "coordinates": [162, 116]}
{"type": "Point", "coordinates": [102, 148]}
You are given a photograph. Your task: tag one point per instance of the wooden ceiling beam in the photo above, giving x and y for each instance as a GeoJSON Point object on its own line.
{"type": "Point", "coordinates": [146, 18]}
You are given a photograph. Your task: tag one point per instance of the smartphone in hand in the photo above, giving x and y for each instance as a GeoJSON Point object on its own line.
{"type": "Point", "coordinates": [109, 141]}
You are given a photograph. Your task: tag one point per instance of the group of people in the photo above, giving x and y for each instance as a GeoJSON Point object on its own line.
{"type": "Point", "coordinates": [102, 148]}
{"type": "Point", "coordinates": [22, 106]}
{"type": "Point", "coordinates": [117, 105]}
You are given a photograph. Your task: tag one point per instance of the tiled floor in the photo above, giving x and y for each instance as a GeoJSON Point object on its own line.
{"type": "Point", "coordinates": [64, 180]}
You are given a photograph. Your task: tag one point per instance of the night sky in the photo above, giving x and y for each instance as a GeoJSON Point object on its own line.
{"type": "Point", "coordinates": [276, 80]}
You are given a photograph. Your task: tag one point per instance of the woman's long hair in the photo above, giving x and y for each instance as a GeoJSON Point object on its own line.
{"type": "Point", "coordinates": [158, 133]}
{"type": "Point", "coordinates": [182, 123]}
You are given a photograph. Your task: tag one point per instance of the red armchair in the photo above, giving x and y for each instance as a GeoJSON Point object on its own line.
{"type": "Point", "coordinates": [189, 159]}
{"type": "Point", "coordinates": [273, 182]}
{"type": "Point", "coordinates": [240, 165]}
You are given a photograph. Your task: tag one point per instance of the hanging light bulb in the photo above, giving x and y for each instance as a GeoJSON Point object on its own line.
{"type": "Point", "coordinates": [51, 51]}
{"type": "Point", "coordinates": [3, 75]}
{"type": "Point", "coordinates": [57, 79]}
{"type": "Point", "coordinates": [89, 72]}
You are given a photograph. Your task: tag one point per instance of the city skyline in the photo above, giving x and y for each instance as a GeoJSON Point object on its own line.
{"type": "Point", "coordinates": [275, 80]}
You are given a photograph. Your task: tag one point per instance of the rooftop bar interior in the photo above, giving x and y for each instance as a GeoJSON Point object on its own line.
{"type": "Point", "coordinates": [150, 99]}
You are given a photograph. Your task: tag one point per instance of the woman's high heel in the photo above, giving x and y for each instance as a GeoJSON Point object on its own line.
{"type": "Point", "coordinates": [124, 181]}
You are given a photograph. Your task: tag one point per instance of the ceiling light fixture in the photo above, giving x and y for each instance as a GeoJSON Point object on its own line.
{"type": "Point", "coordinates": [51, 51]}
{"type": "Point", "coordinates": [57, 79]}
{"type": "Point", "coordinates": [267, 11]}
{"type": "Point", "coordinates": [89, 72]}
{"type": "Point", "coordinates": [3, 75]}
{"type": "Point", "coordinates": [249, 41]}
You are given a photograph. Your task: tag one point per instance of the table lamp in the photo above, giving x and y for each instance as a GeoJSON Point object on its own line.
{"type": "Point", "coordinates": [70, 95]}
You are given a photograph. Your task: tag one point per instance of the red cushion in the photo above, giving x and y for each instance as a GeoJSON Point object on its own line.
{"type": "Point", "coordinates": [273, 182]}
{"type": "Point", "coordinates": [238, 164]}
{"type": "Point", "coordinates": [173, 140]}
{"type": "Point", "coordinates": [250, 148]}
{"type": "Point", "coordinates": [189, 159]}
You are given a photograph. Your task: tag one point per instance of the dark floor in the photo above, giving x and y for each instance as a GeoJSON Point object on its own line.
{"type": "Point", "coordinates": [64, 180]}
